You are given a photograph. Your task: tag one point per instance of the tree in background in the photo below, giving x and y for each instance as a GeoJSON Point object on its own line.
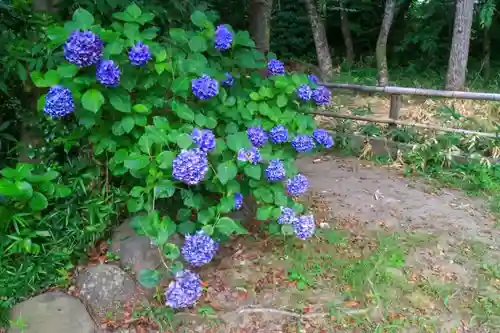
{"type": "Point", "coordinates": [260, 23]}
{"type": "Point", "coordinates": [381, 49]}
{"type": "Point", "coordinates": [346, 32]}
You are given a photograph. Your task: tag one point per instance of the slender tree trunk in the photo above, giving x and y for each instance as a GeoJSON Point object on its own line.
{"type": "Point", "coordinates": [260, 23]}
{"type": "Point", "coordinates": [459, 54]}
{"type": "Point", "coordinates": [346, 33]}
{"type": "Point", "coordinates": [381, 49]}
{"type": "Point", "coordinates": [320, 41]}
{"type": "Point", "coordinates": [486, 53]}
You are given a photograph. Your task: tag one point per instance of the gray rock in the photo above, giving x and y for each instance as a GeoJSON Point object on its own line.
{"type": "Point", "coordinates": [52, 312]}
{"type": "Point", "coordinates": [107, 289]}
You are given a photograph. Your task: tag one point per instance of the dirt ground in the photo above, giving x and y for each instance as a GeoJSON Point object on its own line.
{"type": "Point", "coordinates": [392, 254]}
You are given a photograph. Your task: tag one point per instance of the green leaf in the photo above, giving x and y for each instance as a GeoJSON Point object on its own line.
{"type": "Point", "coordinates": [115, 47]}
{"type": "Point", "coordinates": [264, 194]}
{"type": "Point", "coordinates": [264, 213]}
{"type": "Point", "coordinates": [226, 171]}
{"type": "Point", "coordinates": [171, 251]}
{"type": "Point", "coordinates": [135, 205]}
{"type": "Point", "coordinates": [67, 70]}
{"type": "Point", "coordinates": [149, 33]}
{"type": "Point", "coordinates": [184, 141]}
{"type": "Point", "coordinates": [38, 202]}
{"type": "Point", "coordinates": [237, 141]}
{"type": "Point", "coordinates": [226, 204]}
{"type": "Point", "coordinates": [127, 123]}
{"type": "Point", "coordinates": [141, 108]}
{"type": "Point", "coordinates": [165, 159]}
{"type": "Point", "coordinates": [178, 34]}
{"type": "Point", "coordinates": [180, 84]}
{"type": "Point", "coordinates": [51, 78]}
{"type": "Point", "coordinates": [198, 44]}
{"type": "Point", "coordinates": [137, 162]}
{"type": "Point", "coordinates": [92, 100]}
{"type": "Point", "coordinates": [282, 101]}
{"type": "Point", "coordinates": [183, 111]}
{"type": "Point", "coordinates": [200, 19]}
{"type": "Point", "coordinates": [133, 11]}
{"type": "Point", "coordinates": [121, 102]}
{"type": "Point", "coordinates": [186, 228]}
{"type": "Point", "coordinates": [206, 215]}
{"type": "Point", "coordinates": [149, 278]}
{"type": "Point", "coordinates": [38, 80]}
{"type": "Point", "coordinates": [243, 38]}
{"type": "Point", "coordinates": [208, 230]}
{"type": "Point", "coordinates": [287, 229]}
{"type": "Point", "coordinates": [165, 189]}
{"type": "Point", "coordinates": [253, 171]}
{"type": "Point", "coordinates": [83, 19]}
{"type": "Point", "coordinates": [227, 226]}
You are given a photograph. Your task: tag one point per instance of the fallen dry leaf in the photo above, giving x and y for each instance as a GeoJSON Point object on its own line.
{"type": "Point", "coordinates": [351, 304]}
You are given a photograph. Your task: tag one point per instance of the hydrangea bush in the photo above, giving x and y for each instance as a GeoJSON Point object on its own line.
{"type": "Point", "coordinates": [188, 117]}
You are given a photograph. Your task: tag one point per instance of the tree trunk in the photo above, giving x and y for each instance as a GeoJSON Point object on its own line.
{"type": "Point", "coordinates": [260, 23]}
{"type": "Point", "coordinates": [459, 54]}
{"type": "Point", "coordinates": [346, 33]}
{"type": "Point", "coordinates": [486, 53]}
{"type": "Point", "coordinates": [320, 41]}
{"type": "Point", "coordinates": [381, 49]}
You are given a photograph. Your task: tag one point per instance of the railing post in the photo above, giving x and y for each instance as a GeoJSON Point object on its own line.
{"type": "Point", "coordinates": [395, 107]}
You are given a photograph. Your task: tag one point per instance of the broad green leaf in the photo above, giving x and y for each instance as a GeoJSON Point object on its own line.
{"type": "Point", "coordinates": [141, 108]}
{"type": "Point", "coordinates": [184, 141]}
{"type": "Point", "coordinates": [253, 171]}
{"type": "Point", "coordinates": [226, 204]}
{"type": "Point", "coordinates": [200, 19]}
{"type": "Point", "coordinates": [165, 189]}
{"type": "Point", "coordinates": [92, 100]}
{"type": "Point", "coordinates": [227, 226]}
{"type": "Point", "coordinates": [67, 70]}
{"type": "Point", "coordinates": [186, 228]}
{"type": "Point", "coordinates": [180, 84]}
{"type": "Point", "coordinates": [206, 215]}
{"type": "Point", "coordinates": [243, 38]}
{"type": "Point", "coordinates": [171, 251]}
{"type": "Point", "coordinates": [115, 47]}
{"type": "Point", "coordinates": [136, 163]}
{"type": "Point", "coordinates": [165, 159]}
{"type": "Point", "coordinates": [135, 204]}
{"type": "Point", "coordinates": [264, 213]}
{"type": "Point", "coordinates": [51, 78]}
{"type": "Point", "coordinates": [183, 111]}
{"type": "Point", "coordinates": [133, 11]}
{"type": "Point", "coordinates": [237, 141]}
{"type": "Point", "coordinates": [282, 101]}
{"type": "Point", "coordinates": [121, 102]}
{"type": "Point", "coordinates": [127, 123]}
{"type": "Point", "coordinates": [287, 230]}
{"type": "Point", "coordinates": [149, 278]}
{"type": "Point", "coordinates": [83, 19]}
{"type": "Point", "coordinates": [226, 171]}
{"type": "Point", "coordinates": [208, 229]}
{"type": "Point", "coordinates": [178, 34]}
{"type": "Point", "coordinates": [198, 44]}
{"type": "Point", "coordinates": [38, 202]}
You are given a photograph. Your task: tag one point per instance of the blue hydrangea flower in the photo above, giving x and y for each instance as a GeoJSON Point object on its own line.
{"type": "Point", "coordinates": [278, 134]}
{"type": "Point", "coordinates": [190, 166]}
{"type": "Point", "coordinates": [83, 48]}
{"type": "Point", "coordinates": [199, 249]}
{"type": "Point", "coordinates": [275, 171]}
{"type": "Point", "coordinates": [275, 67]}
{"type": "Point", "coordinates": [205, 139]}
{"type": "Point", "coordinates": [108, 73]}
{"type": "Point", "coordinates": [238, 200]}
{"type": "Point", "coordinates": [59, 102]}
{"type": "Point", "coordinates": [205, 87]}
{"type": "Point", "coordinates": [184, 291]}
{"type": "Point", "coordinates": [304, 92]}
{"type": "Point", "coordinates": [251, 155]}
{"type": "Point", "coordinates": [322, 95]}
{"type": "Point", "coordinates": [323, 138]}
{"type": "Point", "coordinates": [257, 136]}
{"type": "Point", "coordinates": [303, 143]}
{"type": "Point", "coordinates": [287, 216]}
{"type": "Point", "coordinates": [313, 78]}
{"type": "Point", "coordinates": [223, 38]}
{"type": "Point", "coordinates": [297, 185]}
{"type": "Point", "coordinates": [139, 54]}
{"type": "Point", "coordinates": [229, 81]}
{"type": "Point", "coordinates": [304, 226]}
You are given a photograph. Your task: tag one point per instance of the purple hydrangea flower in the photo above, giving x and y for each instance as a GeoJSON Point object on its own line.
{"type": "Point", "coordinates": [205, 87]}
{"type": "Point", "coordinates": [190, 166]}
{"type": "Point", "coordinates": [297, 185]}
{"type": "Point", "coordinates": [304, 226]}
{"type": "Point", "coordinates": [323, 138]}
{"type": "Point", "coordinates": [303, 143]}
{"type": "Point", "coordinates": [275, 67]}
{"type": "Point", "coordinates": [257, 136]}
{"type": "Point", "coordinates": [139, 54]}
{"type": "Point", "coordinates": [275, 171]}
{"type": "Point", "coordinates": [238, 200]}
{"type": "Point", "coordinates": [287, 216]}
{"type": "Point", "coordinates": [304, 92]}
{"type": "Point", "coordinates": [83, 48]}
{"type": "Point", "coordinates": [251, 155]}
{"type": "Point", "coordinates": [223, 38]}
{"type": "Point", "coordinates": [278, 134]}
{"type": "Point", "coordinates": [322, 95]}
{"type": "Point", "coordinates": [108, 73]}
{"type": "Point", "coordinates": [59, 102]}
{"type": "Point", "coordinates": [229, 81]}
{"type": "Point", "coordinates": [184, 291]}
{"type": "Point", "coordinates": [205, 139]}
{"type": "Point", "coordinates": [199, 249]}
{"type": "Point", "coordinates": [313, 78]}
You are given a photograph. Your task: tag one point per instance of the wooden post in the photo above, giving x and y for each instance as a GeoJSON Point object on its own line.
{"type": "Point", "coordinates": [395, 107]}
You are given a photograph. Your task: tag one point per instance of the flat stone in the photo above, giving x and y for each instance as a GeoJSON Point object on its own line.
{"type": "Point", "coordinates": [52, 312]}
{"type": "Point", "coordinates": [107, 290]}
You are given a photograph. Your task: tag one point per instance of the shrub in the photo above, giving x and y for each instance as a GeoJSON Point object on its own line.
{"type": "Point", "coordinates": [187, 118]}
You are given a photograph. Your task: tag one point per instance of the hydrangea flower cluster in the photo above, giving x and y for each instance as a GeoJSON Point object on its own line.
{"type": "Point", "coordinates": [139, 54]}
{"type": "Point", "coordinates": [323, 137]}
{"type": "Point", "coordinates": [190, 166]}
{"type": "Point", "coordinates": [304, 226]}
{"type": "Point", "coordinates": [238, 200]}
{"type": "Point", "coordinates": [275, 67]}
{"type": "Point", "coordinates": [83, 48]}
{"type": "Point", "coordinates": [275, 171]}
{"type": "Point", "coordinates": [229, 81]}
{"type": "Point", "coordinates": [257, 136]}
{"type": "Point", "coordinates": [59, 102]}
{"type": "Point", "coordinates": [199, 249]}
{"type": "Point", "coordinates": [322, 95]}
{"type": "Point", "coordinates": [278, 134]}
{"type": "Point", "coordinates": [251, 155]}
{"type": "Point", "coordinates": [303, 143]}
{"type": "Point", "coordinates": [297, 185]}
{"type": "Point", "coordinates": [205, 87]}
{"type": "Point", "coordinates": [304, 92]}
{"type": "Point", "coordinates": [184, 291]}
{"type": "Point", "coordinates": [223, 38]}
{"type": "Point", "coordinates": [108, 73]}
{"type": "Point", "coordinates": [287, 216]}
{"type": "Point", "coordinates": [205, 139]}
